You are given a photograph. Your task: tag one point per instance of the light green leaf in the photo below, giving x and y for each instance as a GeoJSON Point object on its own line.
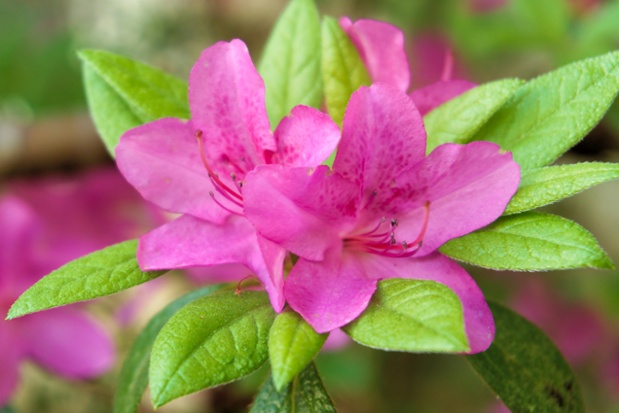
{"type": "Point", "coordinates": [211, 341]}
{"type": "Point", "coordinates": [133, 377]}
{"type": "Point", "coordinates": [123, 93]}
{"type": "Point", "coordinates": [100, 273]}
{"type": "Point", "coordinates": [290, 65]}
{"type": "Point", "coordinates": [539, 187]}
{"type": "Point", "coordinates": [343, 70]}
{"type": "Point", "coordinates": [411, 315]}
{"type": "Point", "coordinates": [293, 343]}
{"type": "Point", "coordinates": [529, 241]}
{"type": "Point", "coordinates": [458, 119]}
{"type": "Point", "coordinates": [525, 369]}
{"type": "Point", "coordinates": [550, 114]}
{"type": "Point", "coordinates": [306, 394]}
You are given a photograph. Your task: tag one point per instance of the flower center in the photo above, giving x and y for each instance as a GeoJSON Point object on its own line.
{"type": "Point", "coordinates": [382, 241]}
{"type": "Point", "coordinates": [233, 196]}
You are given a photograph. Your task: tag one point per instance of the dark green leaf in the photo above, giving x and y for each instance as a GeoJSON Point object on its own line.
{"type": "Point", "coordinates": [211, 341]}
{"type": "Point", "coordinates": [550, 114]}
{"type": "Point", "coordinates": [343, 70]}
{"type": "Point", "coordinates": [529, 241]}
{"type": "Point", "coordinates": [544, 186]}
{"type": "Point", "coordinates": [133, 377]}
{"type": "Point", "coordinates": [458, 119]}
{"type": "Point", "coordinates": [525, 369]}
{"type": "Point", "coordinates": [290, 65]}
{"type": "Point", "coordinates": [411, 315]}
{"type": "Point", "coordinates": [306, 394]}
{"type": "Point", "coordinates": [103, 272]}
{"type": "Point", "coordinates": [123, 93]}
{"type": "Point", "coordinates": [293, 343]}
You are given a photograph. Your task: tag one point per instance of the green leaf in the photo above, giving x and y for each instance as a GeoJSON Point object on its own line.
{"type": "Point", "coordinates": [458, 120]}
{"type": "Point", "coordinates": [306, 394]}
{"type": "Point", "coordinates": [529, 241]}
{"type": "Point", "coordinates": [123, 93]}
{"type": "Point", "coordinates": [133, 377]}
{"type": "Point", "coordinates": [525, 369]}
{"type": "Point", "coordinates": [293, 343]}
{"type": "Point", "coordinates": [539, 187]}
{"type": "Point", "coordinates": [213, 340]}
{"type": "Point", "coordinates": [411, 315]}
{"type": "Point", "coordinates": [343, 70]}
{"type": "Point", "coordinates": [550, 114]}
{"type": "Point", "coordinates": [290, 65]}
{"type": "Point", "coordinates": [100, 273]}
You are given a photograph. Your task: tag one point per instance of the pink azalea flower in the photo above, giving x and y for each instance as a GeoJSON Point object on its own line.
{"type": "Point", "coordinates": [381, 47]}
{"type": "Point", "coordinates": [196, 168]}
{"type": "Point", "coordinates": [381, 212]}
{"type": "Point", "coordinates": [45, 224]}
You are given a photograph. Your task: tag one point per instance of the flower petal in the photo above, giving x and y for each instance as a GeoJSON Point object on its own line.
{"type": "Point", "coordinates": [162, 161]}
{"type": "Point", "coordinates": [478, 320]}
{"type": "Point", "coordinates": [226, 97]}
{"type": "Point", "coordinates": [432, 96]}
{"type": "Point", "coordinates": [468, 187]}
{"type": "Point", "coordinates": [306, 137]}
{"type": "Point", "coordinates": [302, 211]}
{"type": "Point", "coordinates": [381, 47]}
{"type": "Point", "coordinates": [190, 242]}
{"type": "Point", "coordinates": [9, 364]}
{"type": "Point", "coordinates": [68, 343]}
{"type": "Point", "coordinates": [330, 293]}
{"type": "Point", "coordinates": [383, 135]}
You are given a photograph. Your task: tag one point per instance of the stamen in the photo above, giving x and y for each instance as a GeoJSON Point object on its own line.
{"type": "Point", "coordinates": [214, 177]}
{"type": "Point", "coordinates": [223, 206]}
{"type": "Point", "coordinates": [237, 290]}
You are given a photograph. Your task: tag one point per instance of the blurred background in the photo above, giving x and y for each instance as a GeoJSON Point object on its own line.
{"type": "Point", "coordinates": [46, 133]}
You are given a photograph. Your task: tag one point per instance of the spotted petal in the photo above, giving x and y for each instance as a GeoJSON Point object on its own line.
{"type": "Point", "coordinates": [226, 98]}
{"type": "Point", "coordinates": [383, 135]}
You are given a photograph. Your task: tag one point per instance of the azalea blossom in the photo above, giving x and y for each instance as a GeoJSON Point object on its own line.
{"type": "Point", "coordinates": [36, 239]}
{"type": "Point", "coordinates": [382, 212]}
{"type": "Point", "coordinates": [197, 168]}
{"type": "Point", "coordinates": [381, 47]}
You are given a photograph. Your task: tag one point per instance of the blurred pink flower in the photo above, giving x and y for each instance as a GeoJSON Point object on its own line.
{"type": "Point", "coordinates": [381, 212]}
{"type": "Point", "coordinates": [45, 224]}
{"type": "Point", "coordinates": [203, 180]}
{"type": "Point", "coordinates": [381, 47]}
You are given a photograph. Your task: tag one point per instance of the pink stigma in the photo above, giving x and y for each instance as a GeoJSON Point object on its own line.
{"type": "Point", "coordinates": [384, 243]}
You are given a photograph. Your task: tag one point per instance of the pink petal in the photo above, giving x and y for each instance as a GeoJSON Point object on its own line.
{"type": "Point", "coordinates": [226, 97]}
{"type": "Point", "coordinates": [161, 159]}
{"type": "Point", "coordinates": [9, 364]}
{"type": "Point", "coordinates": [479, 324]}
{"type": "Point", "coordinates": [301, 209]}
{"type": "Point", "coordinates": [330, 293]}
{"type": "Point", "coordinates": [383, 135]}
{"type": "Point", "coordinates": [306, 137]}
{"type": "Point", "coordinates": [19, 226]}
{"type": "Point", "coordinates": [468, 187]}
{"type": "Point", "coordinates": [432, 96]}
{"type": "Point", "coordinates": [190, 242]}
{"type": "Point", "coordinates": [68, 343]}
{"type": "Point", "coordinates": [381, 47]}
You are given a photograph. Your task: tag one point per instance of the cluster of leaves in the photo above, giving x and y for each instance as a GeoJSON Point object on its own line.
{"type": "Point", "coordinates": [214, 335]}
